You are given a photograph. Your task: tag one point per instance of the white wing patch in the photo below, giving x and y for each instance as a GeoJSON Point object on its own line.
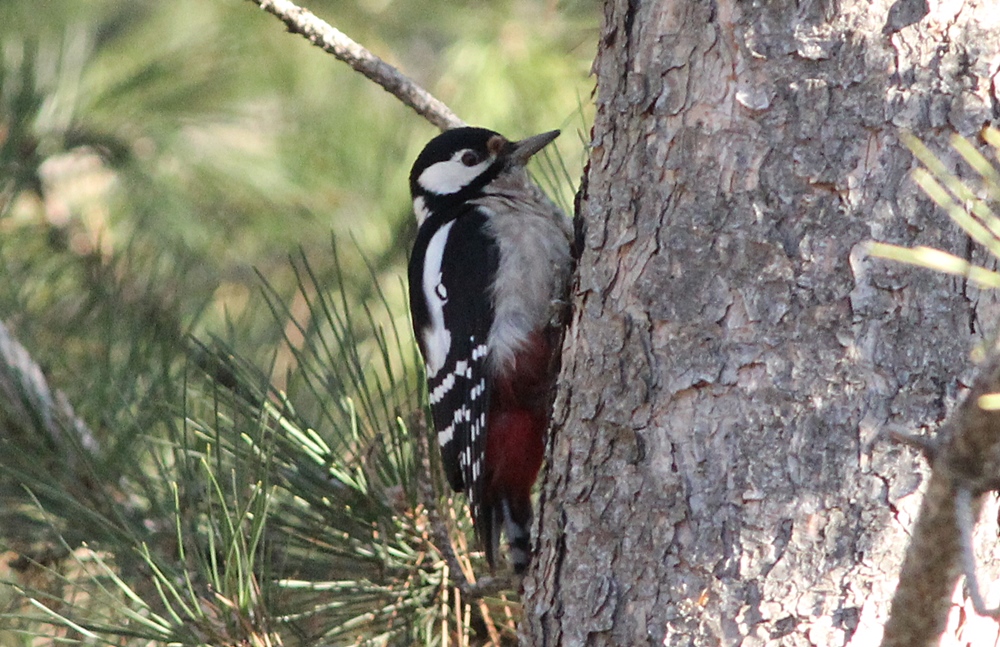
{"type": "Point", "coordinates": [442, 389]}
{"type": "Point", "coordinates": [462, 369]}
{"type": "Point", "coordinates": [437, 338]}
{"type": "Point", "coordinates": [450, 176]}
{"type": "Point", "coordinates": [420, 210]}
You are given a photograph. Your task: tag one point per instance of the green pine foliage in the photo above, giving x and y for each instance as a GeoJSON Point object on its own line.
{"type": "Point", "coordinates": [970, 203]}
{"type": "Point", "coordinates": [216, 435]}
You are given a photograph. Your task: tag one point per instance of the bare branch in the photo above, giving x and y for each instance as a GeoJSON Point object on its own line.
{"type": "Point", "coordinates": [930, 571]}
{"type": "Point", "coordinates": [965, 517]}
{"type": "Point", "coordinates": [966, 465]}
{"type": "Point", "coordinates": [329, 39]}
{"type": "Point", "coordinates": [27, 397]}
{"type": "Point", "coordinates": [488, 586]}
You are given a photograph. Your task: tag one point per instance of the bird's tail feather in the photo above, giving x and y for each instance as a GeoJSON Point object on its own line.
{"type": "Point", "coordinates": [515, 521]}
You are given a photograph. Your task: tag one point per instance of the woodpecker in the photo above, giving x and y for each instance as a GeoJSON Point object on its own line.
{"type": "Point", "coordinates": [488, 276]}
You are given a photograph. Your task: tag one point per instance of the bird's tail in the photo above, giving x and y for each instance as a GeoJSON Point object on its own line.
{"type": "Point", "coordinates": [513, 457]}
{"type": "Point", "coordinates": [517, 525]}
{"type": "Point", "coordinates": [513, 518]}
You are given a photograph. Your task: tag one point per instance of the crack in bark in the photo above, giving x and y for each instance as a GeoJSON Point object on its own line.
{"type": "Point", "coordinates": [630, 13]}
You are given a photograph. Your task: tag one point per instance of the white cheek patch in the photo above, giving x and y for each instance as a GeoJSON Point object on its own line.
{"type": "Point", "coordinates": [437, 338]}
{"type": "Point", "coordinates": [450, 176]}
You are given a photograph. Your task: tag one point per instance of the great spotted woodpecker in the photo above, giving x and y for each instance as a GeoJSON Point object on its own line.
{"type": "Point", "coordinates": [488, 277]}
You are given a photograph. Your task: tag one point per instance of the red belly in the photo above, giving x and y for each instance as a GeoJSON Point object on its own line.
{"type": "Point", "coordinates": [517, 421]}
{"type": "Point", "coordinates": [514, 449]}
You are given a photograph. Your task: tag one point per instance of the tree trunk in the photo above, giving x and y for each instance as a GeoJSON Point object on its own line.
{"type": "Point", "coordinates": [718, 471]}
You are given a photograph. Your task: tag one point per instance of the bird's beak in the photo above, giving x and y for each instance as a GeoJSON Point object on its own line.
{"type": "Point", "coordinates": [522, 151]}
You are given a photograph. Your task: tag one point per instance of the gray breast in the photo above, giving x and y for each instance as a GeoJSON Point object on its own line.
{"type": "Point", "coordinates": [533, 275]}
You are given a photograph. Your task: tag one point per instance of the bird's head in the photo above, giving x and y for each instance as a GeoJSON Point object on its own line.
{"type": "Point", "coordinates": [458, 164]}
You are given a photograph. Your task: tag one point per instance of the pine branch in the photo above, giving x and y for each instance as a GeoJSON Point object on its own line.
{"type": "Point", "coordinates": [333, 41]}
{"type": "Point", "coordinates": [965, 466]}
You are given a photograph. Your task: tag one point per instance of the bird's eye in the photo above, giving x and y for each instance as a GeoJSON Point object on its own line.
{"type": "Point", "coordinates": [470, 158]}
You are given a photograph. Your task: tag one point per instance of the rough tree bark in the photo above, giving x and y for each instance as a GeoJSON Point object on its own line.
{"type": "Point", "coordinates": [718, 472]}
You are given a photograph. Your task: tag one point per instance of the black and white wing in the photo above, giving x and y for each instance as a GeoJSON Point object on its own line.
{"type": "Point", "coordinates": [451, 271]}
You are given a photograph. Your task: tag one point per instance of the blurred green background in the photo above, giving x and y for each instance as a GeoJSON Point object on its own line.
{"type": "Point", "coordinates": [187, 170]}
{"type": "Point", "coordinates": [202, 130]}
